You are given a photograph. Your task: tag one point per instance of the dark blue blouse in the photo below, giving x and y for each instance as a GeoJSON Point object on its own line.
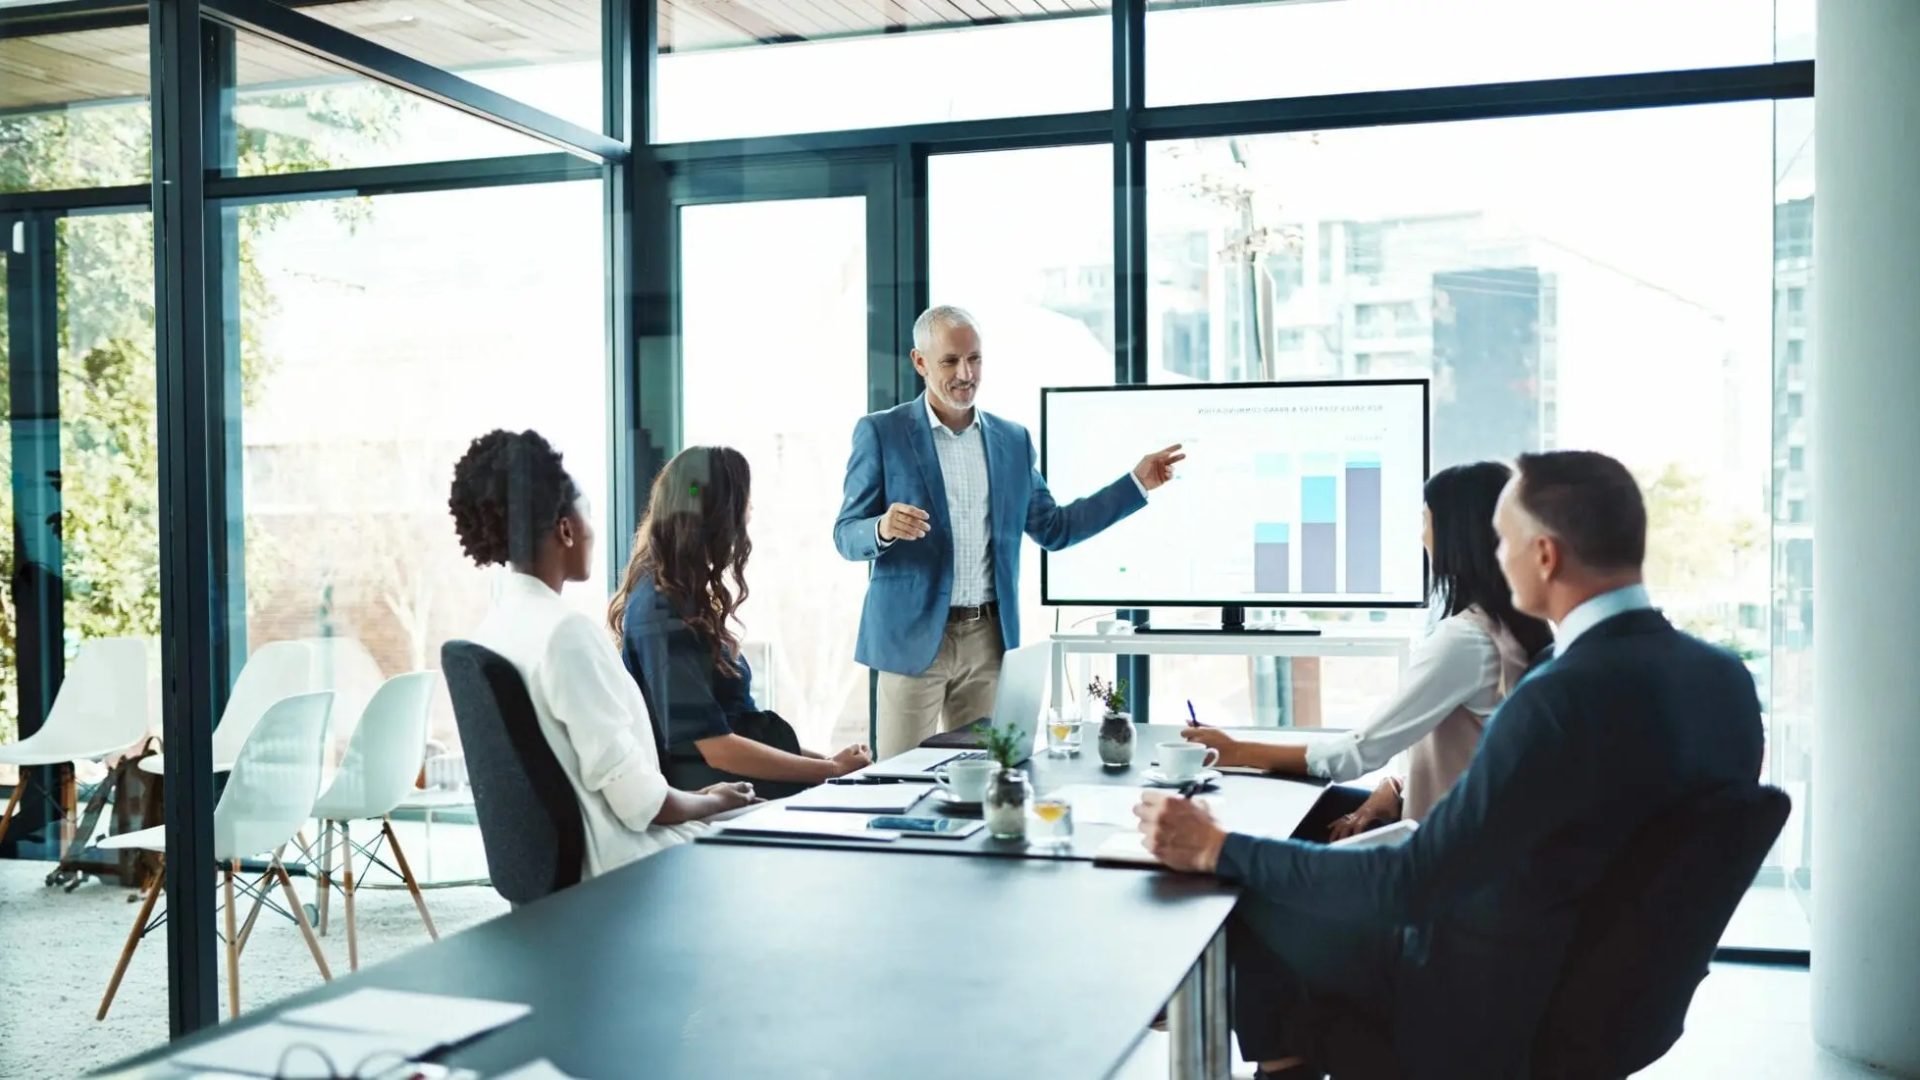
{"type": "Point", "coordinates": [689, 699]}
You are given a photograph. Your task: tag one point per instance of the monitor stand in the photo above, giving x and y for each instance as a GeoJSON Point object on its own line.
{"type": "Point", "coordinates": [1233, 620]}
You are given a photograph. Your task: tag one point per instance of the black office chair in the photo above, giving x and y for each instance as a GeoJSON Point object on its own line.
{"type": "Point", "coordinates": [529, 819]}
{"type": "Point", "coordinates": [1649, 931]}
{"type": "Point", "coordinates": [1646, 935]}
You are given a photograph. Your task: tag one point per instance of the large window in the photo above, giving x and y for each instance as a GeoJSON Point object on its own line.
{"type": "Point", "coordinates": [378, 337]}
{"type": "Point", "coordinates": [1023, 239]}
{"type": "Point", "coordinates": [1596, 281]}
{"type": "Point", "coordinates": [1240, 51]}
{"type": "Point", "coordinates": [736, 70]}
{"type": "Point", "coordinates": [773, 305]}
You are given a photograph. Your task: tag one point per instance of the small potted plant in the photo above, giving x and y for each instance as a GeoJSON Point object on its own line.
{"type": "Point", "coordinates": [1009, 793]}
{"type": "Point", "coordinates": [1116, 724]}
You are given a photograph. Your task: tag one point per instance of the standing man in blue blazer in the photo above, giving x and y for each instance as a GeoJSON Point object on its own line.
{"type": "Point", "coordinates": [938, 493]}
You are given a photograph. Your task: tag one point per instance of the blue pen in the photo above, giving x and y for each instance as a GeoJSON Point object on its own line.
{"type": "Point", "coordinates": [1193, 719]}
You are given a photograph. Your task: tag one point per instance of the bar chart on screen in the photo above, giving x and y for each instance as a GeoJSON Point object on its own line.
{"type": "Point", "coordinates": [1290, 495]}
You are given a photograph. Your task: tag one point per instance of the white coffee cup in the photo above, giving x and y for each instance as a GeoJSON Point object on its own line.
{"type": "Point", "coordinates": [967, 780]}
{"type": "Point", "coordinates": [1182, 761]}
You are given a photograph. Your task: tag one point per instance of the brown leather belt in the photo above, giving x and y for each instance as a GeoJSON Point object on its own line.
{"type": "Point", "coordinates": [988, 610]}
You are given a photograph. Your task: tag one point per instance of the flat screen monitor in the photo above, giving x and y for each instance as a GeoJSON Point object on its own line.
{"type": "Point", "coordinates": [1293, 494]}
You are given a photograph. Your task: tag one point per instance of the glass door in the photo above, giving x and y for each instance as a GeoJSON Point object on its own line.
{"type": "Point", "coordinates": [788, 334]}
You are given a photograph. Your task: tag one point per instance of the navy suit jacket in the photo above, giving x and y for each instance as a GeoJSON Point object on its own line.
{"type": "Point", "coordinates": [1634, 718]}
{"type": "Point", "coordinates": [910, 585]}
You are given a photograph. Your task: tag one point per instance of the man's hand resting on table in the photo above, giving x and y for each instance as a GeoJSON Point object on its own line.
{"type": "Point", "coordinates": [1180, 832]}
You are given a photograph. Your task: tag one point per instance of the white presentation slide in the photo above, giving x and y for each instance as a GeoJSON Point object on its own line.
{"type": "Point", "coordinates": [1298, 495]}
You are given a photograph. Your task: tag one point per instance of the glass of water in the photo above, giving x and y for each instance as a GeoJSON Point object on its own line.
{"type": "Point", "coordinates": [1063, 734]}
{"type": "Point", "coordinates": [1054, 817]}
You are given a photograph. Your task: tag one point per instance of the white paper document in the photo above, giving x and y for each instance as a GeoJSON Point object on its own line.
{"type": "Point", "coordinates": [1125, 847]}
{"type": "Point", "coordinates": [782, 821]}
{"type": "Point", "coordinates": [1102, 804]}
{"type": "Point", "coordinates": [446, 1020]}
{"type": "Point", "coordinates": [860, 798]}
{"type": "Point", "coordinates": [299, 1052]}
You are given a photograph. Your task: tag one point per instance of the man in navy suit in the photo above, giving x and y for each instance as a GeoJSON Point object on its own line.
{"type": "Point", "coordinates": [1454, 939]}
{"type": "Point", "coordinates": [938, 495]}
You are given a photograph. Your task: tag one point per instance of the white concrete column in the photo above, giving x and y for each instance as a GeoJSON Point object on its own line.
{"type": "Point", "coordinates": [1866, 512]}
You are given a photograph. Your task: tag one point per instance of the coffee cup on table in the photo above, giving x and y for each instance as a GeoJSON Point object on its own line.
{"type": "Point", "coordinates": [966, 780]}
{"type": "Point", "coordinates": [1182, 761]}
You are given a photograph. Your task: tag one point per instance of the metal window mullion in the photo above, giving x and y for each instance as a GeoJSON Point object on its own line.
{"type": "Point", "coordinates": [191, 405]}
{"type": "Point", "coordinates": [1130, 255]}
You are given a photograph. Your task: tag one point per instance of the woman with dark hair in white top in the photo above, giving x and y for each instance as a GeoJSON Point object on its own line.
{"type": "Point", "coordinates": [513, 503]}
{"type": "Point", "coordinates": [1458, 675]}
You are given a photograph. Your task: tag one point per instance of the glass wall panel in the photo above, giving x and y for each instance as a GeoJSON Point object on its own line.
{"type": "Point", "coordinates": [773, 307]}
{"type": "Point", "coordinates": [372, 341]}
{"type": "Point", "coordinates": [767, 67]}
{"type": "Point", "coordinates": [1630, 282]}
{"type": "Point", "coordinates": [543, 52]}
{"type": "Point", "coordinates": [80, 617]}
{"type": "Point", "coordinates": [1023, 239]}
{"type": "Point", "coordinates": [73, 110]}
{"type": "Point", "coordinates": [293, 112]}
{"type": "Point", "coordinates": [1200, 52]}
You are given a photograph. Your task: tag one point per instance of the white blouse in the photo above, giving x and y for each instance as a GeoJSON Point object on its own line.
{"type": "Point", "coordinates": [1457, 676]}
{"type": "Point", "coordinates": [593, 716]}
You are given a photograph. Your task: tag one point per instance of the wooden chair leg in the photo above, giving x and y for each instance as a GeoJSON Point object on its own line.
{"type": "Point", "coordinates": [6, 819]}
{"type": "Point", "coordinates": [233, 944]}
{"type": "Point", "coordinates": [406, 873]}
{"type": "Point", "coordinates": [326, 874]}
{"type": "Point", "coordinates": [260, 888]}
{"type": "Point", "coordinates": [300, 916]}
{"type": "Point", "coordinates": [353, 931]}
{"type": "Point", "coordinates": [133, 940]}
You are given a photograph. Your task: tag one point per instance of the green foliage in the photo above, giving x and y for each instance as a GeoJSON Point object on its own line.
{"type": "Point", "coordinates": [1005, 745]}
{"type": "Point", "coordinates": [109, 437]}
{"type": "Point", "coordinates": [1113, 694]}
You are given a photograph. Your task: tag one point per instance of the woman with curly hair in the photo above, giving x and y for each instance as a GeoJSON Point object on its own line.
{"type": "Point", "coordinates": [514, 503]}
{"type": "Point", "coordinates": [674, 614]}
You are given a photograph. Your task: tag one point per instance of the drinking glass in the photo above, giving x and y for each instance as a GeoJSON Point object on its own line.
{"type": "Point", "coordinates": [1063, 734]}
{"type": "Point", "coordinates": [1055, 817]}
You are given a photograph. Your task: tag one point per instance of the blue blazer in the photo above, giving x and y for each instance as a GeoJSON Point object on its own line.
{"type": "Point", "coordinates": [1633, 719]}
{"type": "Point", "coordinates": [911, 582]}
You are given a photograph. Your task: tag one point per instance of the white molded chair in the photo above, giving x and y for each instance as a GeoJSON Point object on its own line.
{"type": "Point", "coordinates": [276, 671]}
{"type": "Point", "coordinates": [101, 710]}
{"type": "Point", "coordinates": [276, 777]}
{"type": "Point", "coordinates": [379, 771]}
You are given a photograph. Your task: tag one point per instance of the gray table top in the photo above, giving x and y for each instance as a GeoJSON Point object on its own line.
{"type": "Point", "coordinates": [1261, 805]}
{"type": "Point", "coordinates": [737, 962]}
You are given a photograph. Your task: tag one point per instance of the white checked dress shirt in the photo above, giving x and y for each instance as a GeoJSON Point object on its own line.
{"type": "Point", "coordinates": [963, 470]}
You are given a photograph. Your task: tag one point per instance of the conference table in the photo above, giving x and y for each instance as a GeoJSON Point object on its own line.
{"type": "Point", "coordinates": [736, 959]}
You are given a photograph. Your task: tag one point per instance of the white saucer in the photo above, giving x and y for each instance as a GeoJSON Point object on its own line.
{"type": "Point", "coordinates": [1204, 777]}
{"type": "Point", "coordinates": [947, 800]}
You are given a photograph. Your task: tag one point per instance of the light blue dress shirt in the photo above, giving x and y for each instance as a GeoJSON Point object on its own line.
{"type": "Point", "coordinates": [1596, 611]}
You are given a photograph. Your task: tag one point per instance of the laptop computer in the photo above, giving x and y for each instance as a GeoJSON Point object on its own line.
{"type": "Point", "coordinates": [1016, 703]}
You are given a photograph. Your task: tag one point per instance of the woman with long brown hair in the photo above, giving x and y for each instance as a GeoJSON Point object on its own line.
{"type": "Point", "coordinates": [675, 616]}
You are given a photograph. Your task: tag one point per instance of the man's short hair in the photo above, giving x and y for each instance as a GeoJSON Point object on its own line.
{"type": "Point", "coordinates": [941, 317]}
{"type": "Point", "coordinates": [1589, 502]}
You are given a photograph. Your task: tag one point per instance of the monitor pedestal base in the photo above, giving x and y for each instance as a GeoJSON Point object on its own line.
{"type": "Point", "coordinates": [1233, 620]}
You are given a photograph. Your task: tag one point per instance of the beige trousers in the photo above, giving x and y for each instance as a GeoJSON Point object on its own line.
{"type": "Point", "coordinates": [954, 692]}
